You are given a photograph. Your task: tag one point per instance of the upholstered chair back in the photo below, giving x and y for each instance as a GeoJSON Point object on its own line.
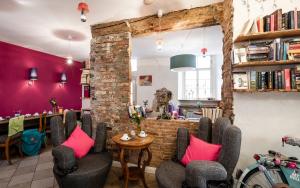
{"type": "Point", "coordinates": [60, 132]}
{"type": "Point", "coordinates": [86, 125]}
{"type": "Point", "coordinates": [221, 132]}
{"type": "Point", "coordinates": [70, 122]}
{"type": "Point", "coordinates": [218, 129]}
{"type": "Point", "coordinates": [231, 146]}
{"type": "Point", "coordinates": [205, 129]}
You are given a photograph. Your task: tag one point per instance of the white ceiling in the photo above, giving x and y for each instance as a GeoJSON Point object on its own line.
{"type": "Point", "coordinates": [45, 24]}
{"type": "Point", "coordinates": [180, 42]}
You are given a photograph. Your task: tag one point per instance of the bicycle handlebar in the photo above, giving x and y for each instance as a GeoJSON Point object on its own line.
{"type": "Point", "coordinates": [291, 141]}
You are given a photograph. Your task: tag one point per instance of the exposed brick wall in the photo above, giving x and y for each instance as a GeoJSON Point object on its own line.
{"type": "Point", "coordinates": [111, 74]}
{"type": "Point", "coordinates": [110, 80]}
{"type": "Point", "coordinates": [227, 87]}
{"type": "Point", "coordinates": [165, 131]}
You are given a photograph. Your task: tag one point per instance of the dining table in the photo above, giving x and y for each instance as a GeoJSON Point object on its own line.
{"type": "Point", "coordinates": [33, 121]}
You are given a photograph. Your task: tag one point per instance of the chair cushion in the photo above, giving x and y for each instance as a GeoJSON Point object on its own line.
{"type": "Point", "coordinates": [92, 172]}
{"type": "Point", "coordinates": [80, 142]}
{"type": "Point", "coordinates": [170, 174]}
{"type": "Point", "coordinates": [200, 150]}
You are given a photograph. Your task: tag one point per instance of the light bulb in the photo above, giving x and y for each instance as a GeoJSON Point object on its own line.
{"type": "Point", "coordinates": [159, 44]}
{"type": "Point", "coordinates": [69, 60]}
{"type": "Point", "coordinates": [83, 17]}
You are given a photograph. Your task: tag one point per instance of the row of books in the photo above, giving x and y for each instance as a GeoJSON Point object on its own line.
{"type": "Point", "coordinates": [276, 21]}
{"type": "Point", "coordinates": [279, 21]}
{"type": "Point", "coordinates": [85, 77]}
{"type": "Point", "coordinates": [276, 50]}
{"type": "Point", "coordinates": [287, 79]}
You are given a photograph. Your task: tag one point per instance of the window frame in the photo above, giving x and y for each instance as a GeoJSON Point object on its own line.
{"type": "Point", "coordinates": [182, 95]}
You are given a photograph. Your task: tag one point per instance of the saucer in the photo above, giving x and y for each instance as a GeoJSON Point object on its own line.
{"type": "Point", "coordinates": [143, 136]}
{"type": "Point", "coordinates": [125, 139]}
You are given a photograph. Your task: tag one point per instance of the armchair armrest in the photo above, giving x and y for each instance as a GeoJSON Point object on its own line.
{"type": "Point", "coordinates": [64, 160]}
{"type": "Point", "coordinates": [100, 140]}
{"type": "Point", "coordinates": [199, 172]}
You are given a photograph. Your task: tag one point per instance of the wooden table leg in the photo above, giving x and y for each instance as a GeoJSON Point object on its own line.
{"type": "Point", "coordinates": [124, 167]}
{"type": "Point", "coordinates": [146, 163]}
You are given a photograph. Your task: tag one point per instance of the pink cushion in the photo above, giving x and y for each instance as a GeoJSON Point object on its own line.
{"type": "Point", "coordinates": [80, 142]}
{"type": "Point", "coordinates": [200, 150]}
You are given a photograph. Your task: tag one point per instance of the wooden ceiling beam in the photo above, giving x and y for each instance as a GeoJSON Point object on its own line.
{"type": "Point", "coordinates": [185, 19]}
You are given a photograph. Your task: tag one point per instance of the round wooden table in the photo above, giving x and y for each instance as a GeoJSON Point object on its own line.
{"type": "Point", "coordinates": [142, 144]}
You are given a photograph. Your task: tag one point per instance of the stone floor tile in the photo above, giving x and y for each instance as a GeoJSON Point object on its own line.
{"type": "Point", "coordinates": [27, 158]}
{"type": "Point", "coordinates": [44, 159]}
{"type": "Point", "coordinates": [24, 170]}
{"type": "Point", "coordinates": [42, 174]}
{"type": "Point", "coordinates": [44, 166]}
{"type": "Point", "coordinates": [21, 185]}
{"type": "Point", "coordinates": [28, 162]}
{"type": "Point", "coordinates": [3, 184]}
{"type": "Point", "coordinates": [43, 183]}
{"type": "Point", "coordinates": [6, 173]}
{"type": "Point", "coordinates": [21, 179]}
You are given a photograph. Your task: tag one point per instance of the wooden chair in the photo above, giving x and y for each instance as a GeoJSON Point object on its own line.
{"type": "Point", "coordinates": [7, 141]}
{"type": "Point", "coordinates": [43, 126]}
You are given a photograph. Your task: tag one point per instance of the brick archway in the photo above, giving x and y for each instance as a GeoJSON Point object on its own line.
{"type": "Point", "coordinates": [111, 52]}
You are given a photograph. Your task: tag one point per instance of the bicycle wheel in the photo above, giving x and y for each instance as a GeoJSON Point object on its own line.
{"type": "Point", "coordinates": [257, 179]}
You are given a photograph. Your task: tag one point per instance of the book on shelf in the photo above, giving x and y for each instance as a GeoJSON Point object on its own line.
{"type": "Point", "coordinates": [240, 81]}
{"type": "Point", "coordinates": [240, 55]}
{"type": "Point", "coordinates": [276, 21]}
{"type": "Point", "coordinates": [284, 80]}
{"type": "Point", "coordinates": [270, 50]}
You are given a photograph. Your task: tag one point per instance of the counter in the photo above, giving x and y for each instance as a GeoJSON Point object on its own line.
{"type": "Point", "coordinates": [165, 132]}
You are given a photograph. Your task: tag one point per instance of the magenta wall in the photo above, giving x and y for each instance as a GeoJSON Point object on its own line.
{"type": "Point", "coordinates": [16, 94]}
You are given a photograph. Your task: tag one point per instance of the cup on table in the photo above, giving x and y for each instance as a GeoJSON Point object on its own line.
{"type": "Point", "coordinates": [125, 137]}
{"type": "Point", "coordinates": [143, 134]}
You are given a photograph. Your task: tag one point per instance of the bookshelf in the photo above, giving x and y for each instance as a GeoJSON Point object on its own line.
{"type": "Point", "coordinates": [264, 91]}
{"type": "Point", "coordinates": [268, 68]}
{"type": "Point", "coordinates": [264, 63]}
{"type": "Point", "coordinates": [268, 35]}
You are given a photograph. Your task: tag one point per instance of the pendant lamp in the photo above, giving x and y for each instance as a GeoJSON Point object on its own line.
{"type": "Point", "coordinates": [184, 62]}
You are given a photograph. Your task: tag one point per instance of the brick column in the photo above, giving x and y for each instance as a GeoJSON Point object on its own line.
{"type": "Point", "coordinates": [227, 87]}
{"type": "Point", "coordinates": [110, 80]}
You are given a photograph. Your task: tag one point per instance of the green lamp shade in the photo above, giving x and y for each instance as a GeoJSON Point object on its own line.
{"type": "Point", "coordinates": [184, 62]}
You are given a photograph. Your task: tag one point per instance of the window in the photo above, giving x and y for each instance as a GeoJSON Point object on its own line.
{"type": "Point", "coordinates": [196, 84]}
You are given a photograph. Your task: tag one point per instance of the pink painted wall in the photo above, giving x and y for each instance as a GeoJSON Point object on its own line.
{"type": "Point", "coordinates": [16, 94]}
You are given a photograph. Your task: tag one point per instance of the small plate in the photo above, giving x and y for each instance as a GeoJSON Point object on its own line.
{"type": "Point", "coordinates": [143, 136]}
{"type": "Point", "coordinates": [125, 139]}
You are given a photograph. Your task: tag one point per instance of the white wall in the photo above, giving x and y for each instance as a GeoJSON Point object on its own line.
{"type": "Point", "coordinates": [265, 117]}
{"type": "Point", "coordinates": [159, 68]}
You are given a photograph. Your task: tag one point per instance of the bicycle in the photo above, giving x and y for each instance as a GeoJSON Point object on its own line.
{"type": "Point", "coordinates": [272, 169]}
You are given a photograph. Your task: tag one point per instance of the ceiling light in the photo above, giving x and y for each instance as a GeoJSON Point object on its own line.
{"type": "Point", "coordinates": [159, 44]}
{"type": "Point", "coordinates": [69, 60]}
{"type": "Point", "coordinates": [159, 13]}
{"type": "Point", "coordinates": [184, 62]}
{"type": "Point", "coordinates": [84, 9]}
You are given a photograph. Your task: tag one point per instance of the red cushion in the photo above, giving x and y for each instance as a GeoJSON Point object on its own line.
{"type": "Point", "coordinates": [200, 150]}
{"type": "Point", "coordinates": [80, 142]}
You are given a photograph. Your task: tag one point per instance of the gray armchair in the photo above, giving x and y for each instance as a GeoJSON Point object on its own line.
{"type": "Point", "coordinates": [88, 172]}
{"type": "Point", "coordinates": [203, 174]}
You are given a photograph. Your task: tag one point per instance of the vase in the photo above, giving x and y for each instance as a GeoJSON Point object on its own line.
{"type": "Point", "coordinates": [138, 128]}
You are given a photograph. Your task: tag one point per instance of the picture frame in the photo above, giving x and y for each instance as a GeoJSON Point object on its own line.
{"type": "Point", "coordinates": [145, 80]}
